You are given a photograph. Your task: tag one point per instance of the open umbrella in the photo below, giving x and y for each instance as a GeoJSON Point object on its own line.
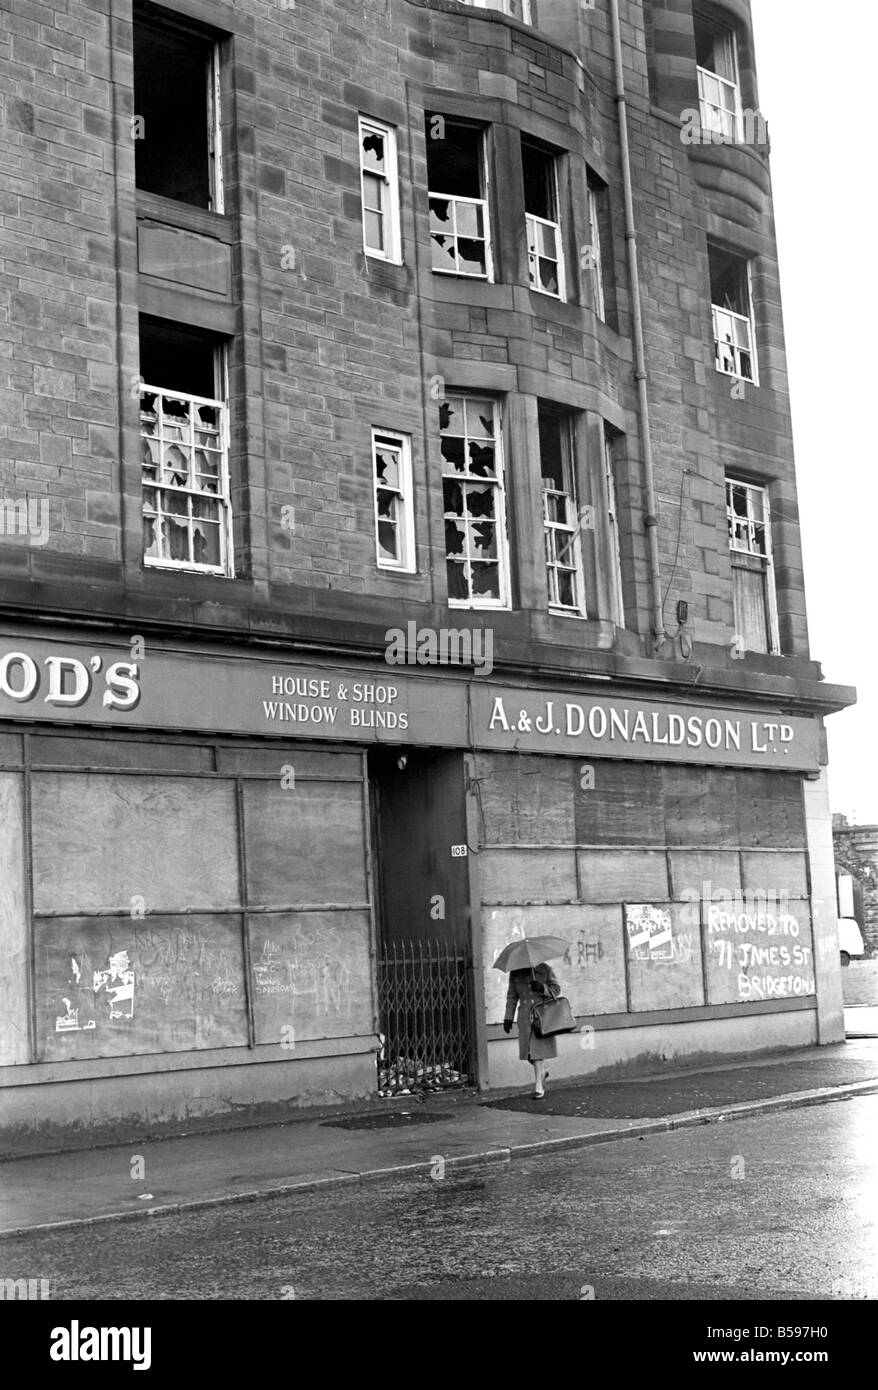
{"type": "Point", "coordinates": [530, 951]}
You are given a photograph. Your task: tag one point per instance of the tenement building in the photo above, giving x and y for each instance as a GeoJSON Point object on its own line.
{"type": "Point", "coordinates": [399, 552]}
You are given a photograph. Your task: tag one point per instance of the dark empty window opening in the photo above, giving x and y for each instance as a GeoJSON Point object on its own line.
{"type": "Point", "coordinates": [178, 359]}
{"type": "Point", "coordinates": [454, 157]}
{"type": "Point", "coordinates": [540, 193]}
{"type": "Point", "coordinates": [175, 125]}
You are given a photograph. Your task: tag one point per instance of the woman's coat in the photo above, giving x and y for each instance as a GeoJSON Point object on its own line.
{"type": "Point", "coordinates": [522, 996]}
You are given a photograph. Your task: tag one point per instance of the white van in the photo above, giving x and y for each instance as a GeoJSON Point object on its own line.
{"type": "Point", "coordinates": [850, 939]}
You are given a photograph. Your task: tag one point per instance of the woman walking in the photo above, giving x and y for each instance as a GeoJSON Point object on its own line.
{"type": "Point", "coordinates": [527, 987]}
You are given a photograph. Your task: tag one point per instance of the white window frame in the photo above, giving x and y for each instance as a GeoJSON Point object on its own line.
{"type": "Point", "coordinates": [401, 444]}
{"type": "Point", "coordinates": [226, 566]}
{"type": "Point", "coordinates": [553, 529]}
{"type": "Point", "coordinates": [498, 482]}
{"type": "Point", "coordinates": [534, 226]}
{"type": "Point", "coordinates": [725, 118]}
{"type": "Point", "coordinates": [751, 549]}
{"type": "Point", "coordinates": [535, 254]}
{"type": "Point", "coordinates": [215, 132]}
{"type": "Point", "coordinates": [483, 202]}
{"type": "Point", "coordinates": [597, 264]}
{"type": "Point", "coordinates": [389, 212]}
{"type": "Point", "coordinates": [617, 596]}
{"type": "Point", "coordinates": [734, 348]}
{"type": "Point", "coordinates": [506, 7]}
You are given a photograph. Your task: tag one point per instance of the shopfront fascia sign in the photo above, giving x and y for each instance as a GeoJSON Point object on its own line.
{"type": "Point", "coordinates": [145, 686]}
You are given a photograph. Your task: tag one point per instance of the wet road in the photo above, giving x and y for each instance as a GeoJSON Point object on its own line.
{"type": "Point", "coordinates": [783, 1206]}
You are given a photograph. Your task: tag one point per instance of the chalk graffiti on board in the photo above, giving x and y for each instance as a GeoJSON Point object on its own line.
{"type": "Point", "coordinates": [298, 970]}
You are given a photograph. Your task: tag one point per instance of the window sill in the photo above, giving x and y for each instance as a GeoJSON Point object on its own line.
{"type": "Point", "coordinates": [151, 207]}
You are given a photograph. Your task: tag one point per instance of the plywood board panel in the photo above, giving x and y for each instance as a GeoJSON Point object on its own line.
{"type": "Point", "coordinates": [10, 750]}
{"type": "Point", "coordinates": [625, 806]}
{"type": "Point", "coordinates": [114, 987]}
{"type": "Point", "coordinates": [311, 976]}
{"type": "Point", "coordinates": [523, 875]}
{"type": "Point", "coordinates": [270, 762]}
{"type": "Point", "coordinates": [103, 842]}
{"type": "Point", "coordinates": [708, 874]}
{"type": "Point", "coordinates": [664, 956]}
{"type": "Point", "coordinates": [771, 810]}
{"type": "Point", "coordinates": [591, 973]}
{"type": "Point", "coordinates": [57, 751]}
{"type": "Point", "coordinates": [13, 924]}
{"type": "Point", "coordinates": [701, 806]}
{"type": "Point", "coordinates": [526, 800]}
{"type": "Point", "coordinates": [305, 844]}
{"type": "Point", "coordinates": [776, 874]}
{"type": "Point", "coordinates": [612, 875]}
{"type": "Point", "coordinates": [754, 953]}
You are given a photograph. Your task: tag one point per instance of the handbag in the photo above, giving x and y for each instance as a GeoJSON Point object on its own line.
{"type": "Point", "coordinates": [553, 1016]}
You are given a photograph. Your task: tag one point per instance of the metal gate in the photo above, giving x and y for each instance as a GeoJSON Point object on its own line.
{"type": "Point", "coordinates": [423, 1001]}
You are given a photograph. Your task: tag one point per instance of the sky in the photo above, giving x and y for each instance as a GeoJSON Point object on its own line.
{"type": "Point", "coordinates": [817, 80]}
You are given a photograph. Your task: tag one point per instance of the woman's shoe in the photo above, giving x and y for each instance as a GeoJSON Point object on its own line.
{"type": "Point", "coordinates": [538, 1095]}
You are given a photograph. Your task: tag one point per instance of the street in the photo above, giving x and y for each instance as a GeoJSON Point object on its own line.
{"type": "Point", "coordinates": [781, 1206]}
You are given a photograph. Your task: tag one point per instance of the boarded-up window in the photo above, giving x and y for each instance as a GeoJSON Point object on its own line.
{"type": "Point", "coordinates": [13, 924]}
{"type": "Point", "coordinates": [115, 987]}
{"type": "Point", "coordinates": [664, 957]}
{"type": "Point", "coordinates": [312, 976]}
{"type": "Point", "coordinates": [306, 845]}
{"type": "Point", "coordinates": [103, 842]}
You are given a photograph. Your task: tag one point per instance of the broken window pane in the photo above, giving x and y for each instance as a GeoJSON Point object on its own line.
{"type": "Point", "coordinates": [379, 190]}
{"type": "Point", "coordinates": [458, 212]}
{"type": "Point", "coordinates": [752, 569]}
{"type": "Point", "coordinates": [473, 499]}
{"type": "Point", "coordinates": [184, 454]}
{"type": "Point", "coordinates": [394, 537]}
{"type": "Point", "coordinates": [732, 314]}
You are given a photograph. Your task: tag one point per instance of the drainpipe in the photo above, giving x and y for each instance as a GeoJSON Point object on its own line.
{"type": "Point", "coordinates": [651, 519]}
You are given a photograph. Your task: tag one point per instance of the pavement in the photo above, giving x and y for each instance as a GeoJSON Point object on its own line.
{"type": "Point", "coordinates": [407, 1137]}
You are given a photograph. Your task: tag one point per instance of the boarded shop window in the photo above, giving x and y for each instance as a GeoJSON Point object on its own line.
{"type": "Point", "coordinates": [312, 975]}
{"type": "Point", "coordinates": [460, 242]}
{"type": "Point", "coordinates": [394, 509]}
{"type": "Point", "coordinates": [545, 252]}
{"type": "Point", "coordinates": [13, 924]}
{"type": "Point", "coordinates": [734, 332]}
{"type": "Point", "coordinates": [664, 957]}
{"type": "Point", "coordinates": [673, 876]}
{"type": "Point", "coordinates": [305, 848]}
{"type": "Point", "coordinates": [474, 503]}
{"type": "Point", "coordinates": [749, 518]}
{"type": "Point", "coordinates": [184, 428]}
{"type": "Point", "coordinates": [176, 122]}
{"type": "Point", "coordinates": [102, 843]}
{"type": "Point", "coordinates": [123, 986]}
{"type": "Point", "coordinates": [565, 580]}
